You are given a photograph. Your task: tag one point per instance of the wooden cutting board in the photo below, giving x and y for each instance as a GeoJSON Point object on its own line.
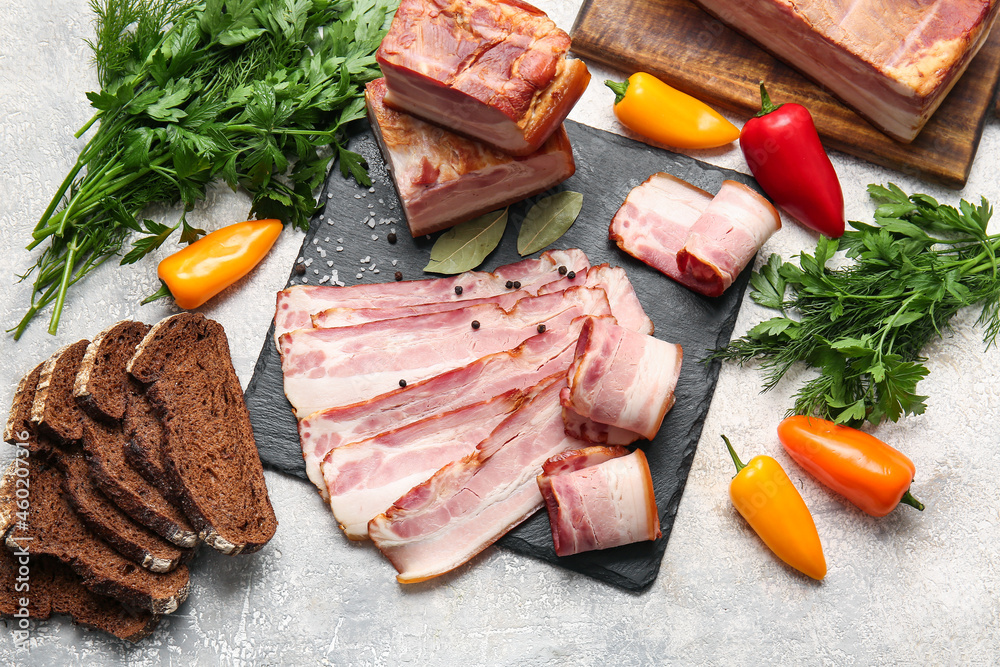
{"type": "Point", "coordinates": [691, 50]}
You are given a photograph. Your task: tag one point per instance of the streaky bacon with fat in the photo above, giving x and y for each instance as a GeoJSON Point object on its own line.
{"type": "Point", "coordinates": [597, 498]}
{"type": "Point", "coordinates": [470, 503]}
{"type": "Point", "coordinates": [326, 367]}
{"type": "Point", "coordinates": [297, 304]}
{"type": "Point", "coordinates": [625, 304]}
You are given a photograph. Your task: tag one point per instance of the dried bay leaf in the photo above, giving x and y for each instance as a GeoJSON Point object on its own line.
{"type": "Point", "coordinates": [465, 246]}
{"type": "Point", "coordinates": [547, 220]}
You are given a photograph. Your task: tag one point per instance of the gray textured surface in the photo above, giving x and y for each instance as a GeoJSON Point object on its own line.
{"type": "Point", "coordinates": [909, 588]}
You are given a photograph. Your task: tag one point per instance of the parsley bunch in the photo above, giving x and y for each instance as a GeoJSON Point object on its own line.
{"type": "Point", "coordinates": [863, 326]}
{"type": "Point", "coordinates": [256, 93]}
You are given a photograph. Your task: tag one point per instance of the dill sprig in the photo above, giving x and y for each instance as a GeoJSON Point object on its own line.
{"type": "Point", "coordinates": [256, 93]}
{"type": "Point", "coordinates": [863, 326]}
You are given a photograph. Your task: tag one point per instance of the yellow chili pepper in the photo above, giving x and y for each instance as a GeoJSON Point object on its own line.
{"type": "Point", "coordinates": [767, 499]}
{"type": "Point", "coordinates": [214, 262]}
{"type": "Point", "coordinates": [649, 107]}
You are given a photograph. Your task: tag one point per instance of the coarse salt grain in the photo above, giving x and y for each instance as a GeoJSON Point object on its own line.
{"type": "Point", "coordinates": [340, 248]}
{"type": "Point", "coordinates": [329, 262]}
{"type": "Point", "coordinates": [371, 189]}
{"type": "Point", "coordinates": [394, 262]}
{"type": "Point", "coordinates": [371, 222]}
{"type": "Point", "coordinates": [340, 240]}
{"type": "Point", "coordinates": [308, 261]}
{"type": "Point", "coordinates": [358, 276]}
{"type": "Point", "coordinates": [374, 270]}
{"type": "Point", "coordinates": [374, 237]}
{"type": "Point", "coordinates": [323, 279]}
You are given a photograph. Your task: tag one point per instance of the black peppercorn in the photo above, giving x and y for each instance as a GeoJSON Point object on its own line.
{"type": "Point", "coordinates": [510, 283]}
{"type": "Point", "coordinates": [458, 290]}
{"type": "Point", "coordinates": [517, 284]}
{"type": "Point", "coordinates": [300, 269]}
{"type": "Point", "coordinates": [402, 383]}
{"type": "Point", "coordinates": [571, 275]}
{"type": "Point", "coordinates": [475, 324]}
{"type": "Point", "coordinates": [391, 237]}
{"type": "Point", "coordinates": [399, 276]}
{"type": "Point", "coordinates": [562, 270]}
{"type": "Point", "coordinates": [541, 328]}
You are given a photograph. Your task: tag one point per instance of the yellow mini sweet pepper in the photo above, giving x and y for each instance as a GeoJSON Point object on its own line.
{"type": "Point", "coordinates": [649, 107]}
{"type": "Point", "coordinates": [767, 499]}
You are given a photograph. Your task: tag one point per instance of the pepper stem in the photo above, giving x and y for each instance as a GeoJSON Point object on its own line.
{"type": "Point", "coordinates": [161, 293]}
{"type": "Point", "coordinates": [619, 87]}
{"type": "Point", "coordinates": [766, 105]}
{"type": "Point", "coordinates": [732, 452]}
{"type": "Point", "coordinates": [908, 499]}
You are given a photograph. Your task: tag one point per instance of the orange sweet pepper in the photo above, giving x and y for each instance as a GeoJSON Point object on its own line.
{"type": "Point", "coordinates": [649, 107]}
{"type": "Point", "coordinates": [201, 270]}
{"type": "Point", "coordinates": [859, 466]}
{"type": "Point", "coordinates": [767, 499]}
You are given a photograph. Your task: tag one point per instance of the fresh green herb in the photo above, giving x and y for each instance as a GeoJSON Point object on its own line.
{"type": "Point", "coordinates": [465, 246]}
{"type": "Point", "coordinates": [863, 326]}
{"type": "Point", "coordinates": [256, 93]}
{"type": "Point", "coordinates": [548, 220]}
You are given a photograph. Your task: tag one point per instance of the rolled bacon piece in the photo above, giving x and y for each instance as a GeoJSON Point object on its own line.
{"type": "Point", "coordinates": [622, 378]}
{"type": "Point", "coordinates": [597, 498]}
{"type": "Point", "coordinates": [493, 70]}
{"type": "Point", "coordinates": [444, 179]}
{"type": "Point", "coordinates": [726, 237]}
{"type": "Point", "coordinates": [682, 231]}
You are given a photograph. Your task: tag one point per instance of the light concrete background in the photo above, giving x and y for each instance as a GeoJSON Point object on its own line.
{"type": "Point", "coordinates": [909, 588]}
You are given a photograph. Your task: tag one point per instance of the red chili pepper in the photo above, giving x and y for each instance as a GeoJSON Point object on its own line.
{"type": "Point", "coordinates": [784, 153]}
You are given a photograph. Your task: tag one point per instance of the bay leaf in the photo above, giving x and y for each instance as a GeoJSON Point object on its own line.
{"type": "Point", "coordinates": [547, 220]}
{"type": "Point", "coordinates": [465, 246]}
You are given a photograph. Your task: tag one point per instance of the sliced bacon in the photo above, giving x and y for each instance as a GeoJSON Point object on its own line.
{"type": "Point", "coordinates": [297, 304]}
{"type": "Point", "coordinates": [493, 70]}
{"type": "Point", "coordinates": [597, 498]}
{"type": "Point", "coordinates": [625, 304]}
{"type": "Point", "coordinates": [538, 357]}
{"type": "Point", "coordinates": [345, 317]}
{"type": "Point", "coordinates": [725, 238]}
{"type": "Point", "coordinates": [682, 231]}
{"type": "Point", "coordinates": [364, 478]}
{"type": "Point", "coordinates": [588, 430]}
{"type": "Point", "coordinates": [470, 503]}
{"type": "Point", "coordinates": [327, 367]}
{"type": "Point", "coordinates": [444, 179]}
{"type": "Point", "coordinates": [621, 378]}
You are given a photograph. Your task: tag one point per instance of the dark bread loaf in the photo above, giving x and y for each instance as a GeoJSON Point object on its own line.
{"type": "Point", "coordinates": [19, 429]}
{"type": "Point", "coordinates": [101, 385]}
{"type": "Point", "coordinates": [209, 453]}
{"type": "Point", "coordinates": [53, 529]}
{"type": "Point", "coordinates": [54, 412]}
{"type": "Point", "coordinates": [55, 589]}
{"type": "Point", "coordinates": [104, 385]}
{"type": "Point", "coordinates": [108, 522]}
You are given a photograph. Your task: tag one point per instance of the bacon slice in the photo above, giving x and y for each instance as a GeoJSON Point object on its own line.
{"type": "Point", "coordinates": [622, 378]}
{"type": "Point", "coordinates": [345, 317]}
{"type": "Point", "coordinates": [625, 304]}
{"type": "Point", "coordinates": [588, 430]}
{"type": "Point", "coordinates": [538, 357]}
{"type": "Point", "coordinates": [444, 179]}
{"type": "Point", "coordinates": [365, 477]}
{"type": "Point", "coordinates": [597, 498]}
{"type": "Point", "coordinates": [470, 503]}
{"type": "Point", "coordinates": [297, 304]}
{"type": "Point", "coordinates": [493, 70]}
{"type": "Point", "coordinates": [725, 238]}
{"type": "Point", "coordinates": [327, 367]}
{"type": "Point", "coordinates": [671, 225]}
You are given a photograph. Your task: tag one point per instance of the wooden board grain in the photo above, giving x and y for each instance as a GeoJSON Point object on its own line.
{"type": "Point", "coordinates": [686, 47]}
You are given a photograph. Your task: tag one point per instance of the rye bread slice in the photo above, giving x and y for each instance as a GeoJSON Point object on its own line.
{"type": "Point", "coordinates": [19, 430]}
{"type": "Point", "coordinates": [209, 453]}
{"type": "Point", "coordinates": [54, 411]}
{"type": "Point", "coordinates": [101, 385]}
{"type": "Point", "coordinates": [53, 529]}
{"type": "Point", "coordinates": [144, 451]}
{"type": "Point", "coordinates": [108, 522]}
{"type": "Point", "coordinates": [55, 589]}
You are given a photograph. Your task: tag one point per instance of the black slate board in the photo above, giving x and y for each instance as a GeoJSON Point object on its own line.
{"type": "Point", "coordinates": [608, 166]}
